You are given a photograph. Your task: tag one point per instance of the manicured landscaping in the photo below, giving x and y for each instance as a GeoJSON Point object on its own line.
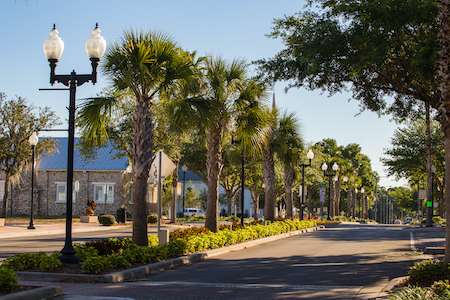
{"type": "Point", "coordinates": [428, 279]}
{"type": "Point", "coordinates": [103, 256]}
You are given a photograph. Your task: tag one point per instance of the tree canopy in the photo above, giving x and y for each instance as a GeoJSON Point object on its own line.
{"type": "Point", "coordinates": [384, 52]}
{"type": "Point", "coordinates": [17, 122]}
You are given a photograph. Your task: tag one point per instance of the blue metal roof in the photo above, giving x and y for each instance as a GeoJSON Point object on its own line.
{"type": "Point", "coordinates": [190, 176]}
{"type": "Point", "coordinates": [104, 161]}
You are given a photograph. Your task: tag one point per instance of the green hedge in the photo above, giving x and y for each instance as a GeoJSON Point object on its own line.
{"type": "Point", "coordinates": [107, 220]}
{"type": "Point", "coordinates": [7, 280]}
{"type": "Point", "coordinates": [226, 237]}
{"type": "Point", "coordinates": [98, 256]}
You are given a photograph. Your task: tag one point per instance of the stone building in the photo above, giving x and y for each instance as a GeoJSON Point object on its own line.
{"type": "Point", "coordinates": [104, 181]}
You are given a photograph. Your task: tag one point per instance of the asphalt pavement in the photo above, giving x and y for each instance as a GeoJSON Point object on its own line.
{"type": "Point", "coordinates": [144, 289]}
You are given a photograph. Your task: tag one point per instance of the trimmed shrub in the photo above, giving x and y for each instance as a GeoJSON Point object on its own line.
{"type": "Point", "coordinates": [438, 220]}
{"type": "Point", "coordinates": [426, 272]}
{"type": "Point", "coordinates": [152, 219]}
{"type": "Point", "coordinates": [188, 232]}
{"type": "Point", "coordinates": [7, 280]}
{"type": "Point", "coordinates": [25, 261]}
{"type": "Point", "coordinates": [153, 240]}
{"type": "Point", "coordinates": [50, 262]}
{"type": "Point", "coordinates": [108, 247]}
{"type": "Point", "coordinates": [107, 220]}
{"type": "Point", "coordinates": [94, 264]}
{"type": "Point", "coordinates": [442, 289]}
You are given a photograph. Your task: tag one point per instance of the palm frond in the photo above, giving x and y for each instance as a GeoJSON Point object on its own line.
{"type": "Point", "coordinates": [93, 116]}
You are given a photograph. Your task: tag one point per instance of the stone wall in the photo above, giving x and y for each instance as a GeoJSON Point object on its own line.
{"type": "Point", "coordinates": [45, 194]}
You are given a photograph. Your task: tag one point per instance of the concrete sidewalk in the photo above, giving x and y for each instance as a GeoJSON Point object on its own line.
{"type": "Point", "coordinates": [9, 231]}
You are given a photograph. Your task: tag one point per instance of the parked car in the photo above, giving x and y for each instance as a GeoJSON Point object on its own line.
{"type": "Point", "coordinates": [408, 220]}
{"type": "Point", "coordinates": [188, 211]}
{"type": "Point", "coordinates": [397, 221]}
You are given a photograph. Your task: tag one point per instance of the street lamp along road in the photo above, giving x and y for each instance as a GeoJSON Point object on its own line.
{"type": "Point", "coordinates": [238, 141]}
{"type": "Point", "coordinates": [33, 140]}
{"type": "Point", "coordinates": [53, 49]}
{"type": "Point", "coordinates": [184, 168]}
{"type": "Point", "coordinates": [345, 178]}
{"type": "Point", "coordinates": [330, 175]}
{"type": "Point", "coordinates": [362, 205]}
{"type": "Point", "coordinates": [310, 156]}
{"type": "Point", "coordinates": [430, 200]}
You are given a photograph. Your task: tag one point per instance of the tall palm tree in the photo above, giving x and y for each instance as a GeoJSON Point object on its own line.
{"type": "Point", "coordinates": [233, 101]}
{"type": "Point", "coordinates": [269, 169]}
{"type": "Point", "coordinates": [145, 64]}
{"type": "Point", "coordinates": [288, 144]}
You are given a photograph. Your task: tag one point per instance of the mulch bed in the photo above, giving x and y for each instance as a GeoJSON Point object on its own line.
{"type": "Point", "coordinates": [19, 288]}
{"type": "Point", "coordinates": [403, 283]}
{"type": "Point", "coordinates": [77, 270]}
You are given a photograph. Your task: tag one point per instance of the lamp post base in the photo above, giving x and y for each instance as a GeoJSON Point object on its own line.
{"type": "Point", "coordinates": [70, 259]}
{"type": "Point", "coordinates": [31, 226]}
{"type": "Point", "coordinates": [68, 254]}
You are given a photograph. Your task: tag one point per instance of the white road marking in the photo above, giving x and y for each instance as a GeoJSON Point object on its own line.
{"type": "Point", "coordinates": [411, 241]}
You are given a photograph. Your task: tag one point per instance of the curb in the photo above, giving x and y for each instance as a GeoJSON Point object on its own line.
{"type": "Point", "coordinates": [158, 267]}
{"type": "Point", "coordinates": [434, 250]}
{"type": "Point", "coordinates": [390, 286]}
{"type": "Point", "coordinates": [39, 293]}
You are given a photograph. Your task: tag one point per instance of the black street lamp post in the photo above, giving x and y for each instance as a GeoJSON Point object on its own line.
{"type": "Point", "coordinates": [310, 156]}
{"type": "Point", "coordinates": [238, 141]}
{"type": "Point", "coordinates": [430, 200]}
{"type": "Point", "coordinates": [184, 168]}
{"type": "Point", "coordinates": [33, 140]}
{"type": "Point", "coordinates": [53, 49]}
{"type": "Point", "coordinates": [330, 175]}
{"type": "Point", "coordinates": [362, 205]}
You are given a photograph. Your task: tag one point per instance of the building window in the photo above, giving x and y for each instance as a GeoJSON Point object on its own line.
{"type": "Point", "coordinates": [152, 193]}
{"type": "Point", "coordinates": [2, 190]}
{"type": "Point", "coordinates": [131, 192]}
{"type": "Point", "coordinates": [61, 190]}
{"type": "Point", "coordinates": [104, 192]}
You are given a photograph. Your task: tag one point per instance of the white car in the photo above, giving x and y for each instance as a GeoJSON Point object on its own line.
{"type": "Point", "coordinates": [408, 220]}
{"type": "Point", "coordinates": [193, 211]}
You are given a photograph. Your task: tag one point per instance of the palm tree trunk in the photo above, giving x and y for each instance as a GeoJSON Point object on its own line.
{"type": "Point", "coordinates": [143, 158]}
{"type": "Point", "coordinates": [310, 208]}
{"type": "Point", "coordinates": [256, 205]}
{"type": "Point", "coordinates": [230, 197]}
{"type": "Point", "coordinates": [173, 214]}
{"type": "Point", "coordinates": [269, 185]}
{"type": "Point", "coordinates": [444, 72]}
{"type": "Point", "coordinates": [214, 167]}
{"type": "Point", "coordinates": [288, 184]}
{"type": "Point", "coordinates": [349, 203]}
{"type": "Point", "coordinates": [354, 202]}
{"type": "Point", "coordinates": [337, 198]}
{"type": "Point", "coordinates": [441, 199]}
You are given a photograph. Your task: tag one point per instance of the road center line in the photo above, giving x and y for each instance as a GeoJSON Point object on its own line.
{"type": "Point", "coordinates": [411, 241]}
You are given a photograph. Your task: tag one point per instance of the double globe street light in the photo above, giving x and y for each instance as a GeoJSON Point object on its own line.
{"type": "Point", "coordinates": [53, 49]}
{"type": "Point", "coordinates": [330, 175]}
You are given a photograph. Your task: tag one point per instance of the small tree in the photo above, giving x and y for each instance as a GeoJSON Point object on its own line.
{"type": "Point", "coordinates": [17, 123]}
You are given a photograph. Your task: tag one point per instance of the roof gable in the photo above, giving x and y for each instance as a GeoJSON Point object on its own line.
{"type": "Point", "coordinates": [104, 161]}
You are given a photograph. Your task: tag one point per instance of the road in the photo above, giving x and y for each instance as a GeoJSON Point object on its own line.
{"type": "Point", "coordinates": [329, 264]}
{"type": "Point", "coordinates": [51, 242]}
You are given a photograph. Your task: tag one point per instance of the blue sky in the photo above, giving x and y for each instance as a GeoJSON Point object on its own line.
{"type": "Point", "coordinates": [228, 28]}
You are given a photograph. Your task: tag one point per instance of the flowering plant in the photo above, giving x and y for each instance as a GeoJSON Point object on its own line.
{"type": "Point", "coordinates": [91, 207]}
